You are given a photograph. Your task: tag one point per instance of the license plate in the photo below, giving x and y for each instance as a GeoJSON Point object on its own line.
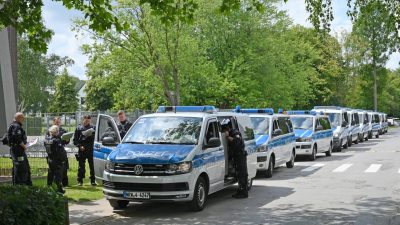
{"type": "Point", "coordinates": [137, 195]}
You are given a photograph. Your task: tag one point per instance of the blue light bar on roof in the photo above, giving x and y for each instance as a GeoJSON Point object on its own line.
{"type": "Point", "coordinates": [207, 109]}
{"type": "Point", "coordinates": [327, 107]}
{"type": "Point", "coordinates": [269, 111]}
{"type": "Point", "coordinates": [301, 112]}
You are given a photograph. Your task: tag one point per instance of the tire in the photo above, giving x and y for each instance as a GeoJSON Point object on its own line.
{"type": "Point", "coordinates": [249, 184]}
{"type": "Point", "coordinates": [347, 145]}
{"type": "Point", "coordinates": [200, 195]}
{"type": "Point", "coordinates": [361, 139]}
{"type": "Point", "coordinates": [349, 142]}
{"type": "Point", "coordinates": [313, 155]}
{"type": "Point", "coordinates": [329, 152]}
{"type": "Point", "coordinates": [270, 171]}
{"type": "Point", "coordinates": [356, 141]}
{"type": "Point", "coordinates": [118, 204]}
{"type": "Point", "coordinates": [377, 136]}
{"type": "Point", "coordinates": [367, 138]}
{"type": "Point", "coordinates": [290, 164]}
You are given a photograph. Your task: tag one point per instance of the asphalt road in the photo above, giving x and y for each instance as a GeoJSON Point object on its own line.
{"type": "Point", "coordinates": [358, 186]}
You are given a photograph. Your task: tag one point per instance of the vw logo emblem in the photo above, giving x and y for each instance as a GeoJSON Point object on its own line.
{"type": "Point", "coordinates": [138, 169]}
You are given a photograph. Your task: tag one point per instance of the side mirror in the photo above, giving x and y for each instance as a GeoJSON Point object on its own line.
{"type": "Point", "coordinates": [108, 141]}
{"type": "Point", "coordinates": [276, 132]}
{"type": "Point", "coordinates": [344, 124]}
{"type": "Point", "coordinates": [213, 143]}
{"type": "Point", "coordinates": [319, 128]}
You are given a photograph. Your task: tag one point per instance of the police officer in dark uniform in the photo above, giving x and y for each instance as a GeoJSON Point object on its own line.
{"type": "Point", "coordinates": [56, 157]}
{"type": "Point", "coordinates": [84, 140]}
{"type": "Point", "coordinates": [17, 141]}
{"type": "Point", "coordinates": [236, 148]}
{"type": "Point", "coordinates": [61, 131]}
{"type": "Point", "coordinates": [124, 124]}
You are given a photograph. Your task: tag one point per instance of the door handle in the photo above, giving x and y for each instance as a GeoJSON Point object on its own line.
{"type": "Point", "coordinates": [220, 149]}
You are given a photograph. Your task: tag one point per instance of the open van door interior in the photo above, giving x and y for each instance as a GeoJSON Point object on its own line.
{"type": "Point", "coordinates": [106, 140]}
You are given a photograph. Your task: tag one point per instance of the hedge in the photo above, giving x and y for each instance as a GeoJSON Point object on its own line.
{"type": "Point", "coordinates": [24, 205]}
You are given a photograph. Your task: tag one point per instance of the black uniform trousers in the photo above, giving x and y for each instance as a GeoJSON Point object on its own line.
{"type": "Point", "coordinates": [55, 172]}
{"type": "Point", "coordinates": [21, 170]}
{"type": "Point", "coordinates": [65, 172]}
{"type": "Point", "coordinates": [83, 156]}
{"type": "Point", "coordinates": [240, 161]}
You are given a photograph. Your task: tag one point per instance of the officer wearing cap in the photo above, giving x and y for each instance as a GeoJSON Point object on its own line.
{"type": "Point", "coordinates": [84, 140]}
{"type": "Point", "coordinates": [17, 141]}
{"type": "Point", "coordinates": [236, 149]}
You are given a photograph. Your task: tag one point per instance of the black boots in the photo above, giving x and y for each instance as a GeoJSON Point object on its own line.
{"type": "Point", "coordinates": [241, 194]}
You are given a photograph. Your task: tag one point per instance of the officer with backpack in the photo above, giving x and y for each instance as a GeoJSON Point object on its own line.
{"type": "Point", "coordinates": [236, 149]}
{"type": "Point", "coordinates": [17, 140]}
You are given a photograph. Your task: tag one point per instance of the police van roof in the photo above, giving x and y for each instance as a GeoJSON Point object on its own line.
{"type": "Point", "coordinates": [268, 111]}
{"type": "Point", "coordinates": [192, 109]}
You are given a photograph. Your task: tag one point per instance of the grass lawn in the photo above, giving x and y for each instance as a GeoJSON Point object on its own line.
{"type": "Point", "coordinates": [74, 193]}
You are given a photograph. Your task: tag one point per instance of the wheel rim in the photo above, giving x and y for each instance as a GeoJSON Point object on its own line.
{"type": "Point", "coordinates": [201, 195]}
{"type": "Point", "coordinates": [249, 182]}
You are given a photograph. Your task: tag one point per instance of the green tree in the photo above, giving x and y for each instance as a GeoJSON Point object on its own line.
{"type": "Point", "coordinates": [36, 75]}
{"type": "Point", "coordinates": [65, 97]}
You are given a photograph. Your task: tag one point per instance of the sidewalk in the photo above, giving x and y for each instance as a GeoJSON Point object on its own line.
{"type": "Point", "coordinates": [86, 212]}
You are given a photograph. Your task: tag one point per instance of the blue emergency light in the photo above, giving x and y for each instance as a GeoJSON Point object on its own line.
{"type": "Point", "coordinates": [301, 112]}
{"type": "Point", "coordinates": [327, 107]}
{"type": "Point", "coordinates": [206, 109]}
{"type": "Point", "coordinates": [269, 111]}
{"type": "Point", "coordinates": [280, 111]}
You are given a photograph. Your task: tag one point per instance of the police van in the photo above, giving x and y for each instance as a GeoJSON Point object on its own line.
{"type": "Point", "coordinates": [339, 119]}
{"type": "Point", "coordinates": [365, 126]}
{"type": "Point", "coordinates": [177, 154]}
{"type": "Point", "coordinates": [274, 137]}
{"type": "Point", "coordinates": [384, 123]}
{"type": "Point", "coordinates": [354, 127]}
{"type": "Point", "coordinates": [375, 124]}
{"type": "Point", "coordinates": [313, 133]}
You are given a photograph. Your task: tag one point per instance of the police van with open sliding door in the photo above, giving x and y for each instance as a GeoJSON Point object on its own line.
{"type": "Point", "coordinates": [313, 133]}
{"type": "Point", "coordinates": [274, 137]}
{"type": "Point", "coordinates": [177, 154]}
{"type": "Point", "coordinates": [339, 119]}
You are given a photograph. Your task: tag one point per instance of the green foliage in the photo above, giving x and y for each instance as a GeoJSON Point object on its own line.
{"type": "Point", "coordinates": [31, 205]}
{"type": "Point", "coordinates": [36, 76]}
{"type": "Point", "coordinates": [65, 96]}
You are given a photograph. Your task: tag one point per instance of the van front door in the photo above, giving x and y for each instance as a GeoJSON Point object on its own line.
{"type": "Point", "coordinates": [106, 140]}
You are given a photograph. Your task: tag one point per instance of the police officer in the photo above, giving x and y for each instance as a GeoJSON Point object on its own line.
{"type": "Point", "coordinates": [236, 148]}
{"type": "Point", "coordinates": [124, 124]}
{"type": "Point", "coordinates": [84, 140]}
{"type": "Point", "coordinates": [61, 131]}
{"type": "Point", "coordinates": [17, 141]}
{"type": "Point", "coordinates": [56, 157]}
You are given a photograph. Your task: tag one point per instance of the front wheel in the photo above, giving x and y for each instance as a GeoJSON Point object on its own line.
{"type": "Point", "coordinates": [249, 184]}
{"type": "Point", "coordinates": [349, 141]}
{"type": "Point", "coordinates": [370, 135]}
{"type": "Point", "coordinates": [361, 138]}
{"type": "Point", "coordinates": [118, 204]}
{"type": "Point", "coordinates": [329, 152]}
{"type": "Point", "coordinates": [270, 170]}
{"type": "Point", "coordinates": [313, 155]}
{"type": "Point", "coordinates": [377, 136]}
{"type": "Point", "coordinates": [290, 164]}
{"type": "Point", "coordinates": [200, 195]}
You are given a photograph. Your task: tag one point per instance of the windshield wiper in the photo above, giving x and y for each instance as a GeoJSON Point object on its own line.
{"type": "Point", "coordinates": [132, 142]}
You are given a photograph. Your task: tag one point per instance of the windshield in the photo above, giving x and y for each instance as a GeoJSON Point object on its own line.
{"type": "Point", "coordinates": [165, 130]}
{"type": "Point", "coordinates": [305, 123]}
{"type": "Point", "coordinates": [335, 119]}
{"type": "Point", "coordinates": [261, 125]}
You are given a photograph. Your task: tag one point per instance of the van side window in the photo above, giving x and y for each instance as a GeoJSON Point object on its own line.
{"type": "Point", "coordinates": [357, 119]}
{"type": "Point", "coordinates": [346, 117]}
{"type": "Point", "coordinates": [275, 125]}
{"type": "Point", "coordinates": [283, 125]}
{"type": "Point", "coordinates": [212, 131]}
{"type": "Point", "coordinates": [289, 122]}
{"type": "Point", "coordinates": [326, 125]}
{"type": "Point", "coordinates": [316, 123]}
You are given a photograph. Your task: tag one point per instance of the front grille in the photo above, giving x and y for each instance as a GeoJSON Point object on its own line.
{"type": "Point", "coordinates": [299, 140]}
{"type": "Point", "coordinates": [184, 186]}
{"type": "Point", "coordinates": [305, 146]}
{"type": "Point", "coordinates": [148, 169]}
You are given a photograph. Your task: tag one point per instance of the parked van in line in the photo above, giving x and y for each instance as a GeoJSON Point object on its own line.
{"type": "Point", "coordinates": [384, 123]}
{"type": "Point", "coordinates": [339, 119]}
{"type": "Point", "coordinates": [354, 127]}
{"type": "Point", "coordinates": [365, 126]}
{"type": "Point", "coordinates": [375, 124]}
{"type": "Point", "coordinates": [177, 154]}
{"type": "Point", "coordinates": [313, 133]}
{"type": "Point", "coordinates": [275, 139]}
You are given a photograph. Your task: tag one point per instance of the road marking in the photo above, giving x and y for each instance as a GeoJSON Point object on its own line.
{"type": "Point", "coordinates": [373, 168]}
{"type": "Point", "coordinates": [342, 168]}
{"type": "Point", "coordinates": [399, 171]}
{"type": "Point", "coordinates": [313, 167]}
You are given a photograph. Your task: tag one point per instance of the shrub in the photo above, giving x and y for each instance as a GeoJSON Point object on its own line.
{"type": "Point", "coordinates": [23, 205]}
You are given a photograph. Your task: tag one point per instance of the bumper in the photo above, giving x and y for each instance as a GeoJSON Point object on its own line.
{"type": "Point", "coordinates": [304, 148]}
{"type": "Point", "coordinates": [127, 183]}
{"type": "Point", "coordinates": [262, 161]}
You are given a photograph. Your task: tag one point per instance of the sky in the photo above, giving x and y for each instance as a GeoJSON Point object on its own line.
{"type": "Point", "coordinates": [65, 42]}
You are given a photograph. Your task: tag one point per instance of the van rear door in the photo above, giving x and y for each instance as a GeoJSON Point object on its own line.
{"type": "Point", "coordinates": [103, 144]}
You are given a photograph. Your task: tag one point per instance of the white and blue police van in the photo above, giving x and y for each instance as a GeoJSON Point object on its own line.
{"type": "Point", "coordinates": [365, 126]}
{"type": "Point", "coordinates": [313, 133]}
{"type": "Point", "coordinates": [177, 154]}
{"type": "Point", "coordinates": [354, 127]}
{"type": "Point", "coordinates": [384, 123]}
{"type": "Point", "coordinates": [339, 119]}
{"type": "Point", "coordinates": [274, 137]}
{"type": "Point", "coordinates": [375, 124]}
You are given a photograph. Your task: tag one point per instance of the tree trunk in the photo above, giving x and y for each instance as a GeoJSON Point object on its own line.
{"type": "Point", "coordinates": [375, 88]}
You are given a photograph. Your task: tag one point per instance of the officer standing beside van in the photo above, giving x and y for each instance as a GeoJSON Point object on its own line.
{"type": "Point", "coordinates": [124, 124]}
{"type": "Point", "coordinates": [84, 140]}
{"type": "Point", "coordinates": [17, 141]}
{"type": "Point", "coordinates": [236, 149]}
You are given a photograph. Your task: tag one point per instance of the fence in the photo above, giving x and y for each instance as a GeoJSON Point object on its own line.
{"type": "Point", "coordinates": [36, 126]}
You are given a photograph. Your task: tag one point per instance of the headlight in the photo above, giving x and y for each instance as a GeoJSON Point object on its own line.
{"type": "Point", "coordinates": [110, 166]}
{"type": "Point", "coordinates": [180, 168]}
{"type": "Point", "coordinates": [262, 148]}
{"type": "Point", "coordinates": [336, 135]}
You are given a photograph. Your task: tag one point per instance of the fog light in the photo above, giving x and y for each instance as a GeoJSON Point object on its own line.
{"type": "Point", "coordinates": [261, 165]}
{"type": "Point", "coordinates": [181, 196]}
